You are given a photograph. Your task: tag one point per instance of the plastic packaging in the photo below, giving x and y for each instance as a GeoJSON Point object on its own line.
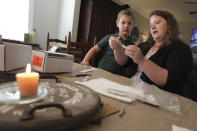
{"type": "Point", "coordinates": [157, 97]}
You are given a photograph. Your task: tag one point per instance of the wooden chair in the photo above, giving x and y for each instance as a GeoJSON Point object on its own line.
{"type": "Point", "coordinates": [54, 40]}
{"type": "Point", "coordinates": [78, 49]}
{"type": "Point", "coordinates": [95, 60]}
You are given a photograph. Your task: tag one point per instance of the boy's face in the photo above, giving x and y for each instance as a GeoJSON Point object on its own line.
{"type": "Point", "coordinates": [125, 24]}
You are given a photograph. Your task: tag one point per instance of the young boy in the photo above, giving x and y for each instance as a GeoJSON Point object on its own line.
{"type": "Point", "coordinates": [124, 23]}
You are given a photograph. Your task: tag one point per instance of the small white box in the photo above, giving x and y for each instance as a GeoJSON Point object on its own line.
{"type": "Point", "coordinates": [51, 62]}
{"type": "Point", "coordinates": [14, 56]}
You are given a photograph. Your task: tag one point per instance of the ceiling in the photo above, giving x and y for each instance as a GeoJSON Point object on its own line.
{"type": "Point", "coordinates": [177, 7]}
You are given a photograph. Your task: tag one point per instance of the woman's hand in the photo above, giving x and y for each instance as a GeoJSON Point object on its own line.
{"type": "Point", "coordinates": [134, 52]}
{"type": "Point", "coordinates": [114, 43]}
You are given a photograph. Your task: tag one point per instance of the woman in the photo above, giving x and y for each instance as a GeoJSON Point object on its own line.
{"type": "Point", "coordinates": [164, 60]}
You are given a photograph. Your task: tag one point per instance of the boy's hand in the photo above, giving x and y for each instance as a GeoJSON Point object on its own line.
{"type": "Point", "coordinates": [115, 43]}
{"type": "Point", "coordinates": [86, 63]}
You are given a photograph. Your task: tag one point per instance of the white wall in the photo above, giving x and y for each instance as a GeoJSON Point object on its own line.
{"type": "Point", "coordinates": [66, 18]}
{"type": "Point", "coordinates": [31, 15]}
{"type": "Point", "coordinates": [69, 17]}
{"type": "Point", "coordinates": [142, 23]}
{"type": "Point", "coordinates": [185, 27]}
{"type": "Point", "coordinates": [76, 20]}
{"type": "Point", "coordinates": [61, 16]}
{"type": "Point", "coordinates": [46, 15]}
{"type": "Point", "coordinates": [57, 17]}
{"type": "Point", "coordinates": [186, 30]}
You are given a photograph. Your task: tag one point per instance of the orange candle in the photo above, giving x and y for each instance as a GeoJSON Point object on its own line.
{"type": "Point", "coordinates": [27, 82]}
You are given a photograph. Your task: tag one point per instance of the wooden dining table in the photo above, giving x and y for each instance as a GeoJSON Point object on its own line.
{"type": "Point", "coordinates": [135, 116]}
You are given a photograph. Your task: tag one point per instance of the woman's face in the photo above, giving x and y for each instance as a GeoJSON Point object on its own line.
{"type": "Point", "coordinates": [158, 26]}
{"type": "Point", "coordinates": [125, 24]}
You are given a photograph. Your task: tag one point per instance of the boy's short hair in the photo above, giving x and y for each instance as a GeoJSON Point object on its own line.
{"type": "Point", "coordinates": [125, 12]}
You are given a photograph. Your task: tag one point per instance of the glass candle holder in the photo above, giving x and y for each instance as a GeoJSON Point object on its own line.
{"type": "Point", "coordinates": [28, 82]}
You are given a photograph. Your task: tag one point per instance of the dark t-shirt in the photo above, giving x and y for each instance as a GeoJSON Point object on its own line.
{"type": "Point", "coordinates": [108, 61]}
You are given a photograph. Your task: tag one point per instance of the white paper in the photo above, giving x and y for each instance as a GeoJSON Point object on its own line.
{"type": "Point", "coordinates": [113, 89]}
{"type": "Point", "coordinates": [88, 70]}
{"type": "Point", "coordinates": [53, 48]}
{"type": "Point", "coordinates": [177, 128]}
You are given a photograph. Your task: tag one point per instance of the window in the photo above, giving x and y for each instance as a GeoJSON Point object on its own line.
{"type": "Point", "coordinates": [14, 18]}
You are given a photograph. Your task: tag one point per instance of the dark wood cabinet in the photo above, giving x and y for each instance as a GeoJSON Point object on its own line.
{"type": "Point", "coordinates": [97, 18]}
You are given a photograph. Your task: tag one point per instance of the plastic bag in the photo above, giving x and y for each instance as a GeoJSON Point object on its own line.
{"type": "Point", "coordinates": [155, 96]}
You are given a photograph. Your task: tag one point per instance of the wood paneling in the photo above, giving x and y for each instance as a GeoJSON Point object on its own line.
{"type": "Point", "coordinates": [97, 18]}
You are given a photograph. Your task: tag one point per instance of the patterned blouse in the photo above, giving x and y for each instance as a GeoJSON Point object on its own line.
{"type": "Point", "coordinates": [139, 71]}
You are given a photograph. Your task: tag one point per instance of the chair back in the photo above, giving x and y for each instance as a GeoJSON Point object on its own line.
{"type": "Point", "coordinates": [95, 60]}
{"type": "Point", "coordinates": [78, 49]}
{"type": "Point", "coordinates": [54, 40]}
